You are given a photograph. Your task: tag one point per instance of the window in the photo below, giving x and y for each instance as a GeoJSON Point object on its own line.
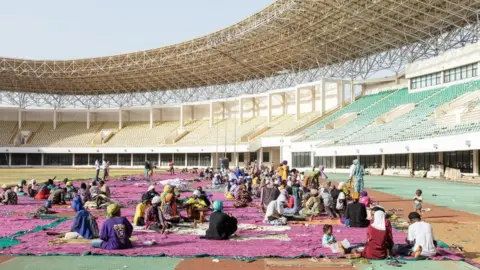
{"type": "Point", "coordinates": [266, 157]}
{"type": "Point", "coordinates": [34, 159]}
{"type": "Point", "coordinates": [125, 159]}
{"type": "Point", "coordinates": [399, 161]}
{"type": "Point", "coordinates": [462, 160]}
{"type": "Point", "coordinates": [19, 159]}
{"type": "Point", "coordinates": [165, 159]}
{"type": "Point", "coordinates": [179, 159]}
{"type": "Point", "coordinates": [94, 157]}
{"type": "Point", "coordinates": [57, 159]}
{"type": "Point", "coordinates": [326, 162]}
{"type": "Point", "coordinates": [241, 157]}
{"type": "Point", "coordinates": [301, 159]}
{"type": "Point", "coordinates": [112, 158]}
{"type": "Point", "coordinates": [205, 159]}
{"type": "Point", "coordinates": [81, 159]}
{"type": "Point", "coordinates": [4, 159]}
{"type": "Point", "coordinates": [422, 161]}
{"type": "Point", "coordinates": [425, 80]}
{"type": "Point", "coordinates": [139, 159]}
{"type": "Point", "coordinates": [192, 159]}
{"type": "Point", "coordinates": [460, 73]}
{"type": "Point", "coordinates": [253, 157]}
{"type": "Point", "coordinates": [153, 158]}
{"type": "Point", "coordinates": [344, 162]}
{"type": "Point", "coordinates": [374, 161]}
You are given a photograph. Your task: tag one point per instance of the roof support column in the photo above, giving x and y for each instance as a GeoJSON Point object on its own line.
{"type": "Point", "coordinates": [297, 103]}
{"type": "Point", "coordinates": [284, 103]}
{"type": "Point", "coordinates": [19, 118]}
{"type": "Point", "coordinates": [340, 91]}
{"type": "Point", "coordinates": [210, 122]}
{"type": "Point", "coordinates": [352, 92]}
{"type": "Point", "coordinates": [240, 106]}
{"type": "Point", "coordinates": [161, 114]}
{"type": "Point", "coordinates": [120, 116]}
{"type": "Point", "coordinates": [223, 110]}
{"type": "Point", "coordinates": [151, 118]}
{"type": "Point", "coordinates": [54, 118]}
{"type": "Point", "coordinates": [475, 162]}
{"type": "Point", "coordinates": [181, 116]}
{"type": "Point", "coordinates": [269, 108]}
{"type": "Point", "coordinates": [322, 94]}
{"type": "Point", "coordinates": [314, 96]}
{"type": "Point", "coordinates": [254, 105]}
{"type": "Point", "coordinates": [88, 118]}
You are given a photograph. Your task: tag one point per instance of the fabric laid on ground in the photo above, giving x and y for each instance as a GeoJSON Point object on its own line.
{"type": "Point", "coordinates": [253, 239]}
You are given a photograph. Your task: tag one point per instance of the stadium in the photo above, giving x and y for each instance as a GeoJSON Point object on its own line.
{"type": "Point", "coordinates": [392, 84]}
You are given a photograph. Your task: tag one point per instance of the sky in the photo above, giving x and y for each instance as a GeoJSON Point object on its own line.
{"type": "Point", "coordinates": [65, 29]}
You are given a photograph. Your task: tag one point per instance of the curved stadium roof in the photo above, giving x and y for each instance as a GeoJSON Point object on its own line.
{"type": "Point", "coordinates": [289, 35]}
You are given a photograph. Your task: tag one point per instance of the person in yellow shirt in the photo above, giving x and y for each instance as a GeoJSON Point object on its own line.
{"type": "Point", "coordinates": [139, 218]}
{"type": "Point", "coordinates": [285, 170]}
{"type": "Point", "coordinates": [196, 207]}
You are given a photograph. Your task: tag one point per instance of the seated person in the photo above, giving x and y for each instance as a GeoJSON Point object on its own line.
{"type": "Point", "coordinates": [139, 218]}
{"type": "Point", "coordinates": [115, 232]}
{"type": "Point", "coordinates": [170, 206]}
{"type": "Point", "coordinates": [84, 193]}
{"type": "Point", "coordinates": [274, 213]}
{"type": "Point", "coordinates": [221, 226]}
{"type": "Point", "coordinates": [356, 213]}
{"type": "Point", "coordinates": [44, 190]}
{"type": "Point", "coordinates": [9, 196]}
{"type": "Point", "coordinates": [56, 197]}
{"type": "Point", "coordinates": [71, 191]}
{"type": "Point", "coordinates": [420, 239]}
{"type": "Point", "coordinates": [94, 190]}
{"type": "Point", "coordinates": [311, 205]}
{"type": "Point", "coordinates": [203, 196]}
{"type": "Point", "coordinates": [32, 188]}
{"type": "Point", "coordinates": [195, 207]}
{"type": "Point", "coordinates": [328, 203]}
{"type": "Point", "coordinates": [243, 198]}
{"type": "Point", "coordinates": [19, 188]}
{"type": "Point", "coordinates": [104, 189]}
{"type": "Point", "coordinates": [296, 196]}
{"type": "Point", "coordinates": [364, 199]}
{"type": "Point", "coordinates": [151, 192]}
{"type": "Point", "coordinates": [154, 217]}
{"type": "Point", "coordinates": [268, 193]}
{"type": "Point", "coordinates": [379, 240]}
{"type": "Point", "coordinates": [84, 226]}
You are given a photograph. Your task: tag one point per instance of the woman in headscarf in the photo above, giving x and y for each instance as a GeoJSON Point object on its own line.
{"type": "Point", "coordinates": [195, 207]}
{"type": "Point", "coordinates": [9, 196]}
{"type": "Point", "coordinates": [84, 226]}
{"type": "Point", "coordinates": [166, 190]}
{"type": "Point", "coordinates": [379, 238]}
{"type": "Point", "coordinates": [339, 199]}
{"type": "Point", "coordinates": [71, 191]}
{"type": "Point", "coordinates": [116, 230]}
{"type": "Point", "coordinates": [274, 212]}
{"type": "Point", "coordinates": [221, 226]}
{"type": "Point", "coordinates": [139, 217]}
{"type": "Point", "coordinates": [154, 217]}
{"type": "Point", "coordinates": [297, 201]}
{"type": "Point", "coordinates": [19, 188]}
{"type": "Point", "coordinates": [32, 188]}
{"type": "Point", "coordinates": [312, 205]}
{"type": "Point", "coordinates": [84, 193]}
{"type": "Point", "coordinates": [44, 190]}
{"type": "Point", "coordinates": [358, 176]}
{"type": "Point", "coordinates": [170, 207]}
{"type": "Point", "coordinates": [268, 194]}
{"type": "Point", "coordinates": [285, 170]}
{"type": "Point", "coordinates": [243, 198]}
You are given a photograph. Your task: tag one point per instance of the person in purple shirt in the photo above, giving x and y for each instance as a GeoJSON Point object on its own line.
{"type": "Point", "coordinates": [116, 231]}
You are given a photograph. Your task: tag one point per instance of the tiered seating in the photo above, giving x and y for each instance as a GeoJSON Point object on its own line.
{"type": "Point", "coordinates": [358, 106]}
{"type": "Point", "coordinates": [7, 129]}
{"type": "Point", "coordinates": [284, 124]}
{"type": "Point", "coordinates": [67, 134]}
{"type": "Point", "coordinates": [135, 134]}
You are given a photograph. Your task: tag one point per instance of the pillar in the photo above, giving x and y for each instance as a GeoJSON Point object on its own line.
{"type": "Point", "coordinates": [269, 108]}
{"type": "Point", "coordinates": [181, 116]}
{"type": "Point", "coordinates": [440, 158]}
{"type": "Point", "coordinates": [475, 162]}
{"type": "Point", "coordinates": [284, 103]}
{"type": "Point", "coordinates": [297, 103]}
{"type": "Point", "coordinates": [210, 122]}
{"type": "Point", "coordinates": [254, 107]}
{"type": "Point", "coordinates": [313, 95]}
{"type": "Point", "coordinates": [240, 108]}
{"type": "Point", "coordinates": [383, 162]}
{"type": "Point", "coordinates": [131, 160]}
{"type": "Point", "coordinates": [42, 160]}
{"type": "Point", "coordinates": [120, 119]}
{"type": "Point", "coordinates": [19, 118]}
{"type": "Point", "coordinates": [260, 157]}
{"type": "Point", "coordinates": [151, 118]}
{"type": "Point", "coordinates": [352, 92]}
{"type": "Point", "coordinates": [334, 162]}
{"type": "Point", "coordinates": [223, 110]}
{"type": "Point", "coordinates": [410, 161]}
{"type": "Point", "coordinates": [322, 93]}
{"type": "Point", "coordinates": [54, 119]}
{"type": "Point", "coordinates": [160, 115]}
{"type": "Point", "coordinates": [88, 119]}
{"type": "Point", "coordinates": [73, 160]}
{"type": "Point", "coordinates": [312, 159]}
{"type": "Point", "coordinates": [340, 93]}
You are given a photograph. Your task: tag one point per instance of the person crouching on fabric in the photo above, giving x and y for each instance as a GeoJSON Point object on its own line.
{"type": "Point", "coordinates": [196, 207]}
{"type": "Point", "coordinates": [204, 196]}
{"type": "Point", "coordinates": [9, 196]}
{"type": "Point", "coordinates": [44, 190]}
{"type": "Point", "coordinates": [32, 188]}
{"type": "Point", "coordinates": [139, 218]}
{"type": "Point", "coordinates": [84, 226]}
{"type": "Point", "coordinates": [56, 197]}
{"type": "Point", "coordinates": [154, 217]}
{"type": "Point", "coordinates": [221, 226]}
{"type": "Point", "coordinates": [115, 232]}
{"type": "Point", "coordinates": [19, 188]}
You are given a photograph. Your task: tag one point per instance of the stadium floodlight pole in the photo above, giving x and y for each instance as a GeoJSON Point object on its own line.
{"type": "Point", "coordinates": [216, 148]}
{"type": "Point", "coordinates": [235, 139]}
{"type": "Point", "coordinates": [226, 126]}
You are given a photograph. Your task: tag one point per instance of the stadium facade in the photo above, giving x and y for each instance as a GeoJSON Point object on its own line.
{"type": "Point", "coordinates": [266, 89]}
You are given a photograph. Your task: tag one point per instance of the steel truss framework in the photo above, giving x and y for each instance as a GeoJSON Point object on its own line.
{"type": "Point", "coordinates": [288, 43]}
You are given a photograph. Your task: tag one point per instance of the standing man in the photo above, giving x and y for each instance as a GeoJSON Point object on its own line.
{"type": "Point", "coordinates": [171, 169]}
{"type": "Point", "coordinates": [105, 169]}
{"type": "Point", "coordinates": [148, 167]}
{"type": "Point", "coordinates": [97, 168]}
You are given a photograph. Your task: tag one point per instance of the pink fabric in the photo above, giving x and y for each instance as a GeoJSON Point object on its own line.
{"type": "Point", "coordinates": [305, 240]}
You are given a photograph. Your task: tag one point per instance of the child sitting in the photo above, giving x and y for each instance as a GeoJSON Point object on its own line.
{"type": "Point", "coordinates": [417, 201]}
{"type": "Point", "coordinates": [364, 199]}
{"type": "Point", "coordinates": [328, 240]}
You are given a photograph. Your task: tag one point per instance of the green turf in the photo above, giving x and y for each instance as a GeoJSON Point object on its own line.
{"type": "Point", "coordinates": [454, 195]}
{"type": "Point", "coordinates": [90, 263]}
{"type": "Point", "coordinates": [419, 265]}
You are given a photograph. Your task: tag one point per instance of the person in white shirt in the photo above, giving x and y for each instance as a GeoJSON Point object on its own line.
{"type": "Point", "coordinates": [420, 239]}
{"type": "Point", "coordinates": [105, 166]}
{"type": "Point", "coordinates": [351, 175]}
{"type": "Point", "coordinates": [274, 212]}
{"type": "Point", "coordinates": [97, 168]}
